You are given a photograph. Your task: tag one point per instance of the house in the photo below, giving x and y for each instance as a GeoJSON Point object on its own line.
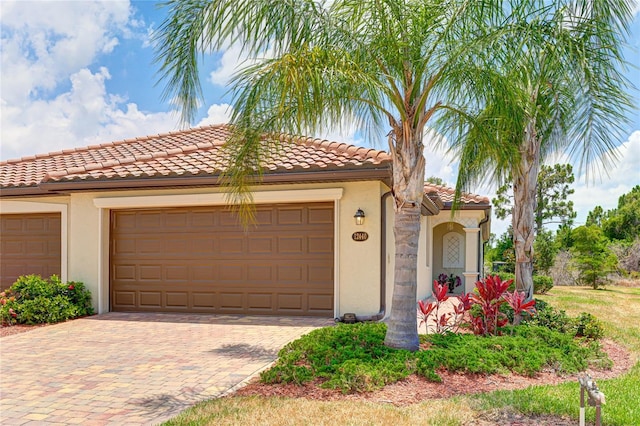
{"type": "Point", "coordinates": [144, 223]}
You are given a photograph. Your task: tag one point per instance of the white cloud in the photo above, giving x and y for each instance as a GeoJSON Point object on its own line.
{"type": "Point", "coordinates": [589, 193]}
{"type": "Point", "coordinates": [86, 114]}
{"type": "Point", "coordinates": [606, 190]}
{"type": "Point", "coordinates": [232, 60]}
{"type": "Point", "coordinates": [217, 114]}
{"type": "Point", "coordinates": [50, 99]}
{"type": "Point", "coordinates": [44, 42]}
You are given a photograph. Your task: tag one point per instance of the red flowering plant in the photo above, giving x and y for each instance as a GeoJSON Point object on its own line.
{"type": "Point", "coordinates": [7, 303]}
{"type": "Point", "coordinates": [487, 318]}
{"type": "Point", "coordinates": [516, 301]}
{"type": "Point", "coordinates": [447, 321]}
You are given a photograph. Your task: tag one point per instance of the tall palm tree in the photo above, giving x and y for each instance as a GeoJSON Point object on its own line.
{"type": "Point", "coordinates": [388, 65]}
{"type": "Point", "coordinates": [563, 68]}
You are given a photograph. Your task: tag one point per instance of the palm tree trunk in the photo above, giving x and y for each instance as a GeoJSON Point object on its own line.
{"type": "Point", "coordinates": [408, 192]}
{"type": "Point", "coordinates": [524, 206]}
{"type": "Point", "coordinates": [402, 331]}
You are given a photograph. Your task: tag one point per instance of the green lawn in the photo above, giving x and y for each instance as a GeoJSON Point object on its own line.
{"type": "Point", "coordinates": [617, 307]}
{"type": "Point", "coordinates": [619, 310]}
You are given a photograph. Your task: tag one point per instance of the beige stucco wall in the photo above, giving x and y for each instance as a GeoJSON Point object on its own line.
{"type": "Point", "coordinates": [85, 236]}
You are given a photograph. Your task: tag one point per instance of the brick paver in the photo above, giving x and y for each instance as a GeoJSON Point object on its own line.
{"type": "Point", "coordinates": [134, 368]}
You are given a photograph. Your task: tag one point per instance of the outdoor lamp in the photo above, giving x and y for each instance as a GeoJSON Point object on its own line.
{"type": "Point", "coordinates": [359, 216]}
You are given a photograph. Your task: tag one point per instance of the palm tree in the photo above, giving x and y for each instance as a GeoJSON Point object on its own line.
{"type": "Point", "coordinates": [563, 68]}
{"type": "Point", "coordinates": [387, 65]}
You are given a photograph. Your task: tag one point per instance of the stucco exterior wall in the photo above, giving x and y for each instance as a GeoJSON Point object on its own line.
{"type": "Point", "coordinates": [86, 235]}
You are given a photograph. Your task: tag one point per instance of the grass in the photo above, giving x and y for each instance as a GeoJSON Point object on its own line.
{"type": "Point", "coordinates": [287, 411]}
{"type": "Point", "coordinates": [619, 310]}
{"type": "Point", "coordinates": [617, 307]}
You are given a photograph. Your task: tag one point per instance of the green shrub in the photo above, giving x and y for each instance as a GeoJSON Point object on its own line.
{"type": "Point", "coordinates": [353, 357]}
{"type": "Point", "coordinates": [35, 300]}
{"type": "Point", "coordinates": [526, 350]}
{"type": "Point", "coordinates": [551, 318]}
{"type": "Point", "coordinates": [542, 284]}
{"type": "Point", "coordinates": [586, 325]}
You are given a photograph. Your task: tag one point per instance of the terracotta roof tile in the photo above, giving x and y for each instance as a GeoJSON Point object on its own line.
{"type": "Point", "coordinates": [447, 194]}
{"type": "Point", "coordinates": [189, 152]}
{"type": "Point", "coordinates": [192, 152]}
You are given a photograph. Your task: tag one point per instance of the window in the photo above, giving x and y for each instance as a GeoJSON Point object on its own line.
{"type": "Point", "coordinates": [452, 250]}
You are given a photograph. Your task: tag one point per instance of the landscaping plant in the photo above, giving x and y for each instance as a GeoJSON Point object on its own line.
{"type": "Point", "coordinates": [448, 321]}
{"type": "Point", "coordinates": [35, 300]}
{"type": "Point", "coordinates": [487, 318]}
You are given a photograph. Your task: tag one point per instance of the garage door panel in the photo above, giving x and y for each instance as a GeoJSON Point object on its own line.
{"type": "Point", "coordinates": [124, 299]}
{"type": "Point", "coordinates": [29, 244]}
{"type": "Point", "coordinates": [150, 299]}
{"type": "Point", "coordinates": [207, 262]}
{"type": "Point", "coordinates": [320, 302]}
{"type": "Point", "coordinates": [150, 272]}
{"type": "Point", "coordinates": [320, 215]}
{"type": "Point", "coordinates": [260, 301]}
{"type": "Point", "coordinates": [231, 273]}
{"type": "Point", "coordinates": [177, 299]}
{"type": "Point", "coordinates": [290, 216]}
{"type": "Point", "coordinates": [290, 302]}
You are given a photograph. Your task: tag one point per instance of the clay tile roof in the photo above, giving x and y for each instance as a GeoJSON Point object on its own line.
{"type": "Point", "coordinates": [446, 195]}
{"type": "Point", "coordinates": [189, 152]}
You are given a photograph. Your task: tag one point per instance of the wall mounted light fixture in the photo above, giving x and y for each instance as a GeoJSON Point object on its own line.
{"type": "Point", "coordinates": [359, 216]}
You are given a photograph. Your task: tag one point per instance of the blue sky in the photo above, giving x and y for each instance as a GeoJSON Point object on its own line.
{"type": "Point", "coordinates": [75, 73]}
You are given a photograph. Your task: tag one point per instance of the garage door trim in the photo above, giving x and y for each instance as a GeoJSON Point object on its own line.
{"type": "Point", "coordinates": [217, 199]}
{"type": "Point", "coordinates": [334, 233]}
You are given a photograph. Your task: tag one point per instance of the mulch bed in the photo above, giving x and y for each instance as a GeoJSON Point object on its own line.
{"type": "Point", "coordinates": [415, 389]}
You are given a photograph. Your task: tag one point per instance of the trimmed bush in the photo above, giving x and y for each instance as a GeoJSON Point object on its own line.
{"type": "Point", "coordinates": [353, 358]}
{"type": "Point", "coordinates": [542, 284]}
{"type": "Point", "coordinates": [35, 300]}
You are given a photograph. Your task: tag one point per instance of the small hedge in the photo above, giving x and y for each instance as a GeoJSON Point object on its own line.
{"type": "Point", "coordinates": [541, 283]}
{"type": "Point", "coordinates": [36, 300]}
{"type": "Point", "coordinates": [353, 358]}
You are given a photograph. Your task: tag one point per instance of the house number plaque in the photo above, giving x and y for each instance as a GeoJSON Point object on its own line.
{"type": "Point", "coordinates": [360, 236]}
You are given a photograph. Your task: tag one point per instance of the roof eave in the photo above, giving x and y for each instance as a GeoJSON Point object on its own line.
{"type": "Point", "coordinates": [47, 188]}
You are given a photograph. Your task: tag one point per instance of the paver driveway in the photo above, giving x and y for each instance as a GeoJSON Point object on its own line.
{"type": "Point", "coordinates": [121, 368]}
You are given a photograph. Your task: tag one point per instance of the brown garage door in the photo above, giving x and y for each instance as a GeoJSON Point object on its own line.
{"type": "Point", "coordinates": [29, 244]}
{"type": "Point", "coordinates": [200, 260]}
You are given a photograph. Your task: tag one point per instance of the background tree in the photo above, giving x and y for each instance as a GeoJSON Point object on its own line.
{"type": "Point", "coordinates": [570, 96]}
{"type": "Point", "coordinates": [546, 249]}
{"type": "Point", "coordinates": [591, 256]}
{"type": "Point", "coordinates": [502, 251]}
{"type": "Point", "coordinates": [623, 223]}
{"type": "Point", "coordinates": [391, 66]}
{"type": "Point", "coordinates": [595, 216]}
{"type": "Point", "coordinates": [553, 189]}
{"type": "Point", "coordinates": [436, 181]}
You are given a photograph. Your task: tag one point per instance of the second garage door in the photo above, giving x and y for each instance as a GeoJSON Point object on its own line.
{"type": "Point", "coordinates": [29, 244]}
{"type": "Point", "coordinates": [201, 260]}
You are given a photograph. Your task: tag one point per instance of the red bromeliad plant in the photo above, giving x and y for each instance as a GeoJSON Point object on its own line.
{"type": "Point", "coordinates": [517, 302]}
{"type": "Point", "coordinates": [488, 296]}
{"type": "Point", "coordinates": [448, 321]}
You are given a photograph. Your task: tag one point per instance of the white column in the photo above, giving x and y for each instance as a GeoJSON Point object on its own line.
{"type": "Point", "coordinates": [471, 268]}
